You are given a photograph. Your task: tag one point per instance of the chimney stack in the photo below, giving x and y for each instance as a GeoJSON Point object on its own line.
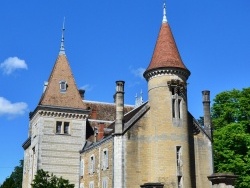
{"type": "Point", "coordinates": [206, 111]}
{"type": "Point", "coordinates": [119, 101]}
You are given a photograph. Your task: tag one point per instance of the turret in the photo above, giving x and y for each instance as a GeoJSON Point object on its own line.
{"type": "Point", "coordinates": [166, 76]}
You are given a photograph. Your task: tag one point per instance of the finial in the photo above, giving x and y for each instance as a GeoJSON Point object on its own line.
{"type": "Point", "coordinates": [164, 20]}
{"type": "Point", "coordinates": [62, 50]}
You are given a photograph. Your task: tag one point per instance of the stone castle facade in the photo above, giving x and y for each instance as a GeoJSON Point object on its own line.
{"type": "Point", "coordinates": [94, 144]}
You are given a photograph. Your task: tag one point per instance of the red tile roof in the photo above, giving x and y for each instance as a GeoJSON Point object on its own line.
{"type": "Point", "coordinates": [166, 53]}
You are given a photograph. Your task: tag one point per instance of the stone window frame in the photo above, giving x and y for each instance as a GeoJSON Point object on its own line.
{"type": "Point", "coordinates": [64, 128]}
{"type": "Point", "coordinates": [105, 159]}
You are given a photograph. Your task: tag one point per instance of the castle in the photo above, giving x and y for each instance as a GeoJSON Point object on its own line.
{"type": "Point", "coordinates": [157, 143]}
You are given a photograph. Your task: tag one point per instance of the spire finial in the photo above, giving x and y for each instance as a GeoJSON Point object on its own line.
{"type": "Point", "coordinates": [62, 50]}
{"type": "Point", "coordinates": [164, 20]}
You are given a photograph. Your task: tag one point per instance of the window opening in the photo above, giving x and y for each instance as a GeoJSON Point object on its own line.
{"type": "Point", "coordinates": [58, 127]}
{"type": "Point", "coordinates": [63, 86]}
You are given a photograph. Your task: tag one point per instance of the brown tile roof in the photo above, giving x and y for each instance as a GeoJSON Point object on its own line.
{"type": "Point", "coordinates": [53, 96]}
{"type": "Point", "coordinates": [104, 111]}
{"type": "Point", "coordinates": [166, 53]}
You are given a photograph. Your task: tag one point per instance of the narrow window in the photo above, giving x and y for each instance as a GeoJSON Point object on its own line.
{"type": "Point", "coordinates": [58, 127]}
{"type": "Point", "coordinates": [179, 165]}
{"type": "Point", "coordinates": [180, 182]}
{"type": "Point", "coordinates": [66, 127]}
{"type": "Point", "coordinates": [104, 182]}
{"type": "Point", "coordinates": [91, 184]}
{"type": "Point", "coordinates": [92, 164]}
{"type": "Point", "coordinates": [82, 168]}
{"type": "Point", "coordinates": [179, 108]}
{"type": "Point", "coordinates": [179, 160]}
{"type": "Point", "coordinates": [173, 108]}
{"type": "Point", "coordinates": [105, 159]}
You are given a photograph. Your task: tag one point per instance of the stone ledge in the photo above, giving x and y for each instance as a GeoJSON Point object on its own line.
{"type": "Point", "coordinates": [226, 178]}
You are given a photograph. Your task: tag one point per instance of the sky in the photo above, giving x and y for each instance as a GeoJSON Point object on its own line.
{"type": "Point", "coordinates": [113, 40]}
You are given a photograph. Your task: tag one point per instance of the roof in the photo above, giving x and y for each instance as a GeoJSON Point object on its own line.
{"type": "Point", "coordinates": [132, 117]}
{"type": "Point", "coordinates": [166, 54]}
{"type": "Point", "coordinates": [104, 111]}
{"type": "Point", "coordinates": [53, 95]}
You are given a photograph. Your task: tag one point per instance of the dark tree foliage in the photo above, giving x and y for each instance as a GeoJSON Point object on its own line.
{"type": "Point", "coordinates": [231, 122]}
{"type": "Point", "coordinates": [15, 179]}
{"type": "Point", "coordinates": [45, 180]}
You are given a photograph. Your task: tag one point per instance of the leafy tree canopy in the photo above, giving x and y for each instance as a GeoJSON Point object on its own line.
{"type": "Point", "coordinates": [15, 179]}
{"type": "Point", "coordinates": [45, 180]}
{"type": "Point", "coordinates": [231, 121]}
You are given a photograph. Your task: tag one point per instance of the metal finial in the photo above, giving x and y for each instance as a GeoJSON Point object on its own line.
{"type": "Point", "coordinates": [164, 20]}
{"type": "Point", "coordinates": [62, 49]}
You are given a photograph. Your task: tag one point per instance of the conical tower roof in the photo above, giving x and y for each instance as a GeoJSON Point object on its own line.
{"type": "Point", "coordinates": [166, 54]}
{"type": "Point", "coordinates": [61, 90]}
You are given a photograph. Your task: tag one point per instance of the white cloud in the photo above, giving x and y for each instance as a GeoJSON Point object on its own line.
{"type": "Point", "coordinates": [8, 108]}
{"type": "Point", "coordinates": [11, 64]}
{"type": "Point", "coordinates": [138, 72]}
{"type": "Point", "coordinates": [86, 87]}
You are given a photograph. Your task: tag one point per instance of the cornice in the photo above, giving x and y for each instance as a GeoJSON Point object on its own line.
{"type": "Point", "coordinates": [52, 111]}
{"type": "Point", "coordinates": [183, 73]}
{"type": "Point", "coordinates": [46, 113]}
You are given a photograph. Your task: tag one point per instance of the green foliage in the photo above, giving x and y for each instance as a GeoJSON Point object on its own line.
{"type": "Point", "coordinates": [231, 121]}
{"type": "Point", "coordinates": [15, 179]}
{"type": "Point", "coordinates": [45, 180]}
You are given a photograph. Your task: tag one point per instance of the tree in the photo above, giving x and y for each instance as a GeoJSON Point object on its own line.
{"type": "Point", "coordinates": [45, 180]}
{"type": "Point", "coordinates": [15, 179]}
{"type": "Point", "coordinates": [231, 122]}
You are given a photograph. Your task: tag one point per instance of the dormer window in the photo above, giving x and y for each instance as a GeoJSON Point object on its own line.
{"type": "Point", "coordinates": [63, 86]}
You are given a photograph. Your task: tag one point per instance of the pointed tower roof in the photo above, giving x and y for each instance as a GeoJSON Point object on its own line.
{"type": "Point", "coordinates": [166, 54]}
{"type": "Point", "coordinates": [61, 90]}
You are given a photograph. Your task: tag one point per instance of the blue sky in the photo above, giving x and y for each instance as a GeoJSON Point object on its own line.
{"type": "Point", "coordinates": [113, 40]}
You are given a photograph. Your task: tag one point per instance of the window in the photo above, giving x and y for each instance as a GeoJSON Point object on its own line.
{"type": "Point", "coordinates": [62, 127]}
{"type": "Point", "coordinates": [63, 86]}
{"type": "Point", "coordinates": [180, 182]}
{"type": "Point", "coordinates": [81, 185]}
{"type": "Point", "coordinates": [176, 106]}
{"type": "Point", "coordinates": [91, 184]}
{"type": "Point", "coordinates": [105, 182]}
{"type": "Point", "coordinates": [105, 159]}
{"type": "Point", "coordinates": [58, 127]}
{"type": "Point", "coordinates": [179, 160]}
{"type": "Point", "coordinates": [66, 127]}
{"type": "Point", "coordinates": [82, 168]}
{"type": "Point", "coordinates": [179, 165]}
{"type": "Point", "coordinates": [92, 164]}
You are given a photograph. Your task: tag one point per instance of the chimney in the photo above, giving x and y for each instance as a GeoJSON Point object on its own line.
{"type": "Point", "coordinates": [100, 127]}
{"type": "Point", "coordinates": [82, 92]}
{"type": "Point", "coordinates": [119, 101]}
{"type": "Point", "coordinates": [206, 111]}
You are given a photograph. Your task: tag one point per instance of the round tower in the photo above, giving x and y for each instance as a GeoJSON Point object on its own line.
{"type": "Point", "coordinates": [167, 95]}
